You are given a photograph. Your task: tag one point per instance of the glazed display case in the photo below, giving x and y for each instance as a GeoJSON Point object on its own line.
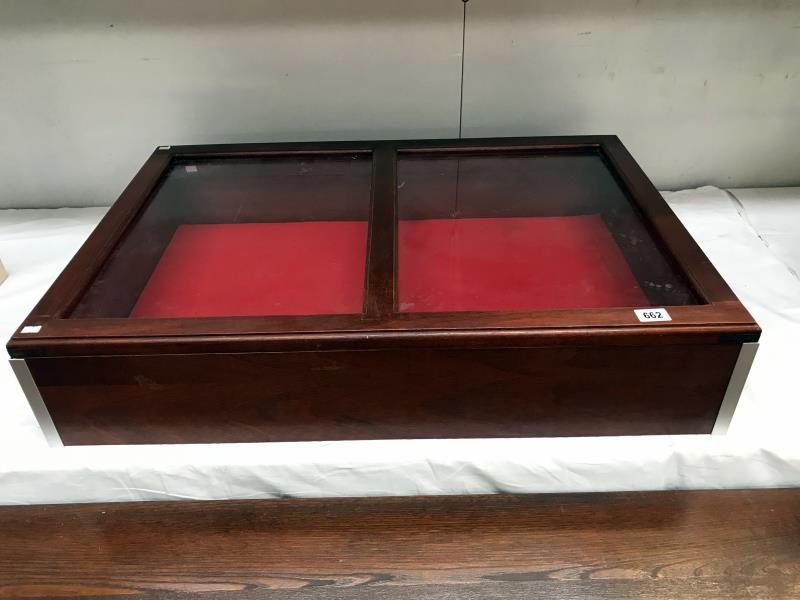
{"type": "Point", "coordinates": [508, 287]}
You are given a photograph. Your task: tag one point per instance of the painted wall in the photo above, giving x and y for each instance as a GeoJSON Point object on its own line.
{"type": "Point", "coordinates": [89, 88]}
{"type": "Point", "coordinates": [703, 91]}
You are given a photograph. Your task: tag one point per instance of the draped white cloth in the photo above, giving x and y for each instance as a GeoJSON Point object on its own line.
{"type": "Point", "coordinates": [752, 236]}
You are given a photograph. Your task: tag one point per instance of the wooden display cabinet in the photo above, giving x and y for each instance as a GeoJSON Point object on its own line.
{"type": "Point", "coordinates": [507, 287]}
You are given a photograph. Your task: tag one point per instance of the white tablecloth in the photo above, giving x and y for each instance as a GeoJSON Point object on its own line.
{"type": "Point", "coordinates": [752, 236]}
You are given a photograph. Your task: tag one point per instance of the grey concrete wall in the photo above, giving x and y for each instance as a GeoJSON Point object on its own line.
{"type": "Point", "coordinates": [89, 88]}
{"type": "Point", "coordinates": [704, 91]}
{"type": "Point", "coordinates": [701, 91]}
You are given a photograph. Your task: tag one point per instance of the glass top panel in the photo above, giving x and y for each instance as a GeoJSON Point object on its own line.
{"type": "Point", "coordinates": [243, 237]}
{"type": "Point", "coordinates": [517, 231]}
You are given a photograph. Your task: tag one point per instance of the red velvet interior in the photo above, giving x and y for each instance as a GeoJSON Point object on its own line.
{"type": "Point", "coordinates": [447, 265]}
{"type": "Point", "coordinates": [443, 265]}
{"type": "Point", "coordinates": [259, 269]}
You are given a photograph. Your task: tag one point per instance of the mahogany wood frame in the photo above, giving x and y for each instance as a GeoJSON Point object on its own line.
{"type": "Point", "coordinates": [383, 374]}
{"type": "Point", "coordinates": [721, 317]}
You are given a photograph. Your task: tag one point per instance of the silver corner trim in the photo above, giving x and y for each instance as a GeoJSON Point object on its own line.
{"type": "Point", "coordinates": [23, 373]}
{"type": "Point", "coordinates": [735, 386]}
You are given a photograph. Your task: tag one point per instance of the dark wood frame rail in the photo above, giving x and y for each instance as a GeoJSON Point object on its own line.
{"type": "Point", "coordinates": [673, 545]}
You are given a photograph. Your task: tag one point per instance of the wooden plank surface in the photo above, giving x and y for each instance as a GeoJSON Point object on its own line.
{"type": "Point", "coordinates": [707, 544]}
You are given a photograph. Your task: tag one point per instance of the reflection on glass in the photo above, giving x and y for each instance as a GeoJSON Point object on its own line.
{"type": "Point", "coordinates": [239, 237]}
{"type": "Point", "coordinates": [524, 232]}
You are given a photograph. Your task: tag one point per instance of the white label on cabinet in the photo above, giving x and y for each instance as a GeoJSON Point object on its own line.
{"type": "Point", "coordinates": [646, 315]}
{"type": "Point", "coordinates": [31, 329]}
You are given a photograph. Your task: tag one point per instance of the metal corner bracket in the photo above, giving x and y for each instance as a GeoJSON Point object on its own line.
{"type": "Point", "coordinates": [23, 373]}
{"type": "Point", "coordinates": [735, 386]}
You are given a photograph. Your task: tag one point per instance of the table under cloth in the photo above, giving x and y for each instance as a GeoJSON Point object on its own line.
{"type": "Point", "coordinates": [753, 238]}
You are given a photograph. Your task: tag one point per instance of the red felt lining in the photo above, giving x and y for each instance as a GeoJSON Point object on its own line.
{"type": "Point", "coordinates": [444, 265]}
{"type": "Point", "coordinates": [257, 269]}
{"type": "Point", "coordinates": [448, 265]}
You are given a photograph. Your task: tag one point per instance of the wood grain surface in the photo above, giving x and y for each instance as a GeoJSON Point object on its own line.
{"type": "Point", "coordinates": [400, 394]}
{"type": "Point", "coordinates": [704, 544]}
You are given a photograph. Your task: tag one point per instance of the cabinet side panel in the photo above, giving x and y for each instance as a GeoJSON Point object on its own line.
{"type": "Point", "coordinates": [386, 394]}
